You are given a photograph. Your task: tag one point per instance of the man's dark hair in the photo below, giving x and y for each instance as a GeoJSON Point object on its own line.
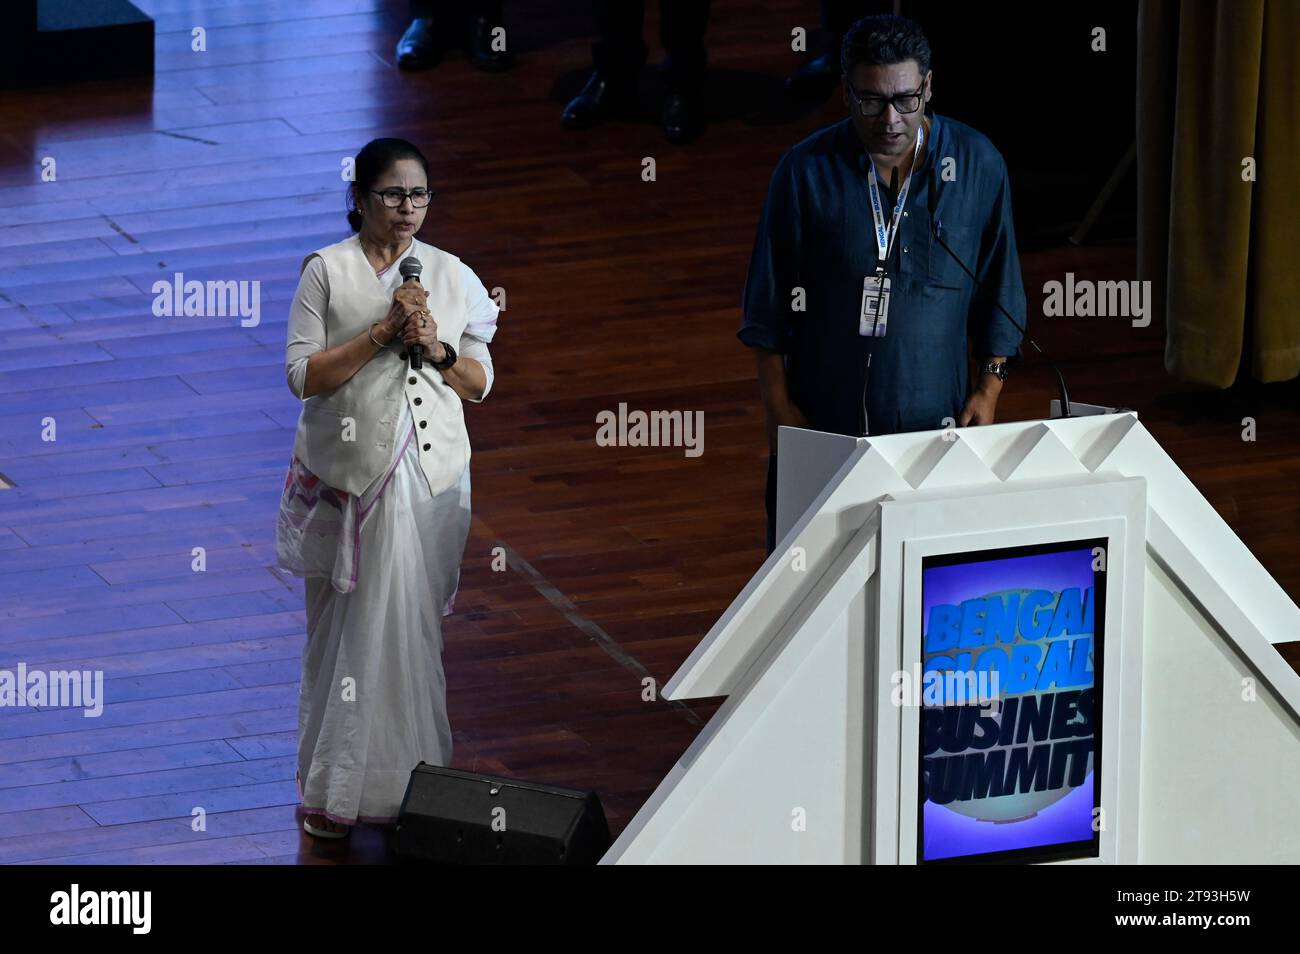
{"type": "Point", "coordinates": [883, 40]}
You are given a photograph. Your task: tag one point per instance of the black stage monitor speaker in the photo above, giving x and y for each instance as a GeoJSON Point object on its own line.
{"type": "Point", "coordinates": [454, 817]}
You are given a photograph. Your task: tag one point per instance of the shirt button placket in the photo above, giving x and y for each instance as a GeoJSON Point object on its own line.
{"type": "Point", "coordinates": [418, 401]}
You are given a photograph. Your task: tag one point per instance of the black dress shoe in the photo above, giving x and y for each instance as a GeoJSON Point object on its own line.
{"type": "Point", "coordinates": [817, 77]}
{"type": "Point", "coordinates": [419, 48]}
{"type": "Point", "coordinates": [600, 99]}
{"type": "Point", "coordinates": [481, 53]}
{"type": "Point", "coordinates": [682, 120]}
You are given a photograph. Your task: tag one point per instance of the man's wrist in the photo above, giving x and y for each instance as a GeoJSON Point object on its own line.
{"type": "Point", "coordinates": [993, 371]}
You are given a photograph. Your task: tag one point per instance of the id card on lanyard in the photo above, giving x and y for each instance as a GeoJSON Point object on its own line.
{"type": "Point", "coordinates": [874, 319]}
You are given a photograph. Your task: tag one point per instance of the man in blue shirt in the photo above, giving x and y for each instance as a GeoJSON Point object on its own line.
{"type": "Point", "coordinates": [861, 323]}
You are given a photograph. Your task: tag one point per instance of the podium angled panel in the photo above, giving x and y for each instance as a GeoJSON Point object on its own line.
{"type": "Point", "coordinates": [1043, 456]}
{"type": "Point", "coordinates": [949, 463]}
{"type": "Point", "coordinates": [777, 774]}
{"type": "Point", "coordinates": [1230, 619]}
{"type": "Point", "coordinates": [877, 474]}
{"type": "Point", "coordinates": [807, 462]}
{"type": "Point", "coordinates": [1200, 528]}
{"type": "Point", "coordinates": [1221, 750]}
{"type": "Point", "coordinates": [762, 608]}
{"type": "Point", "coordinates": [1092, 438]}
{"type": "Point", "coordinates": [769, 759]}
{"type": "Point", "coordinates": [905, 451]}
{"type": "Point", "coordinates": [993, 443]}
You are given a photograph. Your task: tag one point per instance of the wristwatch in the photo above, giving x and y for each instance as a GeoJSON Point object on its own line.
{"type": "Point", "coordinates": [995, 367]}
{"type": "Point", "coordinates": [448, 361]}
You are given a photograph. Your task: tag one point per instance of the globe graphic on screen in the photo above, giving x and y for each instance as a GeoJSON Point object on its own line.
{"type": "Point", "coordinates": [1023, 805]}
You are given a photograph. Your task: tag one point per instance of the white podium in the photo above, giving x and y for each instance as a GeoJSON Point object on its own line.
{"type": "Point", "coordinates": [1164, 727]}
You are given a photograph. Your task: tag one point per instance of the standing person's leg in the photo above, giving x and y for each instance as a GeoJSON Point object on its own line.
{"type": "Point", "coordinates": [681, 29]}
{"type": "Point", "coordinates": [620, 50]}
{"type": "Point", "coordinates": [421, 45]}
{"type": "Point", "coordinates": [819, 75]}
{"type": "Point", "coordinates": [490, 48]}
{"type": "Point", "coordinates": [617, 57]}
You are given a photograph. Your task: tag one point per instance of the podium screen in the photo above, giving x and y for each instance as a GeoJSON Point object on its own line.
{"type": "Point", "coordinates": [1010, 729]}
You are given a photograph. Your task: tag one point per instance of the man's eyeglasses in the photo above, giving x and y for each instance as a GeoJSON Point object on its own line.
{"type": "Point", "coordinates": [875, 105]}
{"type": "Point", "coordinates": [393, 198]}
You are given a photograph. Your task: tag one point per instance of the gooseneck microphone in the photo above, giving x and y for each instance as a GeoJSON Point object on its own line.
{"type": "Point", "coordinates": [411, 268]}
{"type": "Point", "coordinates": [936, 229]}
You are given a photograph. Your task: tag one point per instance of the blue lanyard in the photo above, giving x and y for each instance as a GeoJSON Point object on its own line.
{"type": "Point", "coordinates": [885, 233]}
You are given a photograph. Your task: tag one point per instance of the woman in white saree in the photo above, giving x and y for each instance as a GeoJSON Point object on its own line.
{"type": "Point", "coordinates": [376, 504]}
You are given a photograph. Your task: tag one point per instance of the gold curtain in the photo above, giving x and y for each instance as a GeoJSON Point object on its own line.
{"type": "Point", "coordinates": [1219, 83]}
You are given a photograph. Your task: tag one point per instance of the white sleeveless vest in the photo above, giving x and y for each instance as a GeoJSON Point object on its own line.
{"type": "Point", "coordinates": [370, 401]}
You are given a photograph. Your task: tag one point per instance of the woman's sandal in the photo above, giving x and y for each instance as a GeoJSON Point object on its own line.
{"type": "Point", "coordinates": [324, 832]}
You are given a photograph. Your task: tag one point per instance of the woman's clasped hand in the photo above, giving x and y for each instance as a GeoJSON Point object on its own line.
{"type": "Point", "coordinates": [409, 318]}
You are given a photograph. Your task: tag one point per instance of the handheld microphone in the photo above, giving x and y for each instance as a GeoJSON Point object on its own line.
{"type": "Point", "coordinates": [936, 229]}
{"type": "Point", "coordinates": [411, 268]}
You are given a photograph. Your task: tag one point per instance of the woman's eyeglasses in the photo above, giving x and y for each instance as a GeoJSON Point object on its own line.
{"type": "Point", "coordinates": [393, 198]}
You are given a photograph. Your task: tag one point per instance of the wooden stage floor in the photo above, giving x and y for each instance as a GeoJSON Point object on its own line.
{"type": "Point", "coordinates": [175, 433]}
